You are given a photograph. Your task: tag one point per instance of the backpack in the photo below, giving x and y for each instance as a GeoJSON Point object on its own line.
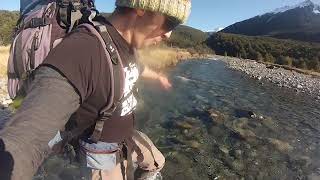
{"type": "Point", "coordinates": [42, 25]}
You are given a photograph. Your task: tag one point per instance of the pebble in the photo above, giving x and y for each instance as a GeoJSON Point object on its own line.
{"type": "Point", "coordinates": [301, 83]}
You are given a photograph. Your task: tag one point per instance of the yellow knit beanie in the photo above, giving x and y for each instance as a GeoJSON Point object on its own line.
{"type": "Point", "coordinates": [178, 9]}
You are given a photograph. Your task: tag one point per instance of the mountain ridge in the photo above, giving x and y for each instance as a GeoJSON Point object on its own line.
{"type": "Point", "coordinates": [300, 22]}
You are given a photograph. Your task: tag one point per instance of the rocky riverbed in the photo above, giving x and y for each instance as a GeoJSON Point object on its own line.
{"type": "Point", "coordinates": [301, 83]}
{"type": "Point", "coordinates": [217, 123]}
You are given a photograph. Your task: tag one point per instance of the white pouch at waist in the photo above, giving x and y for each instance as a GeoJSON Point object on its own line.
{"type": "Point", "coordinates": [101, 155]}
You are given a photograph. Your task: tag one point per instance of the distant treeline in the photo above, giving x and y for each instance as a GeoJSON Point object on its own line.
{"type": "Point", "coordinates": [191, 39]}
{"type": "Point", "coordinates": [8, 20]}
{"type": "Point", "coordinates": [285, 52]}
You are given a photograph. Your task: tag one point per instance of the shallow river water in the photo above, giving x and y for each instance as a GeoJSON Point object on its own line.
{"type": "Point", "coordinates": [216, 123]}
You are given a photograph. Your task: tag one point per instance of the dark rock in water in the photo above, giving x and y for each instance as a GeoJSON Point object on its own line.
{"type": "Point", "coordinates": [239, 113]}
{"type": "Point", "coordinates": [240, 130]}
{"type": "Point", "coordinates": [216, 116]}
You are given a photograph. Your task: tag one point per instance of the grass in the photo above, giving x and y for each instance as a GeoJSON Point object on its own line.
{"type": "Point", "coordinates": [162, 57]}
{"type": "Point", "coordinates": [4, 55]}
{"type": "Point", "coordinates": [154, 57]}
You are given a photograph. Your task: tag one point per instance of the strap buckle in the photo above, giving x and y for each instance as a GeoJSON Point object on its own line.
{"type": "Point", "coordinates": [39, 22]}
{"type": "Point", "coordinates": [108, 114]}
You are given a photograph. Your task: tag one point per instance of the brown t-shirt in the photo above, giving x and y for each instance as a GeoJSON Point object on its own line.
{"type": "Point", "coordinates": [80, 58]}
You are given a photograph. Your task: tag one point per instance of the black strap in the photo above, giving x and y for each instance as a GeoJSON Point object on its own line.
{"type": "Point", "coordinates": [12, 76]}
{"type": "Point", "coordinates": [34, 23]}
{"type": "Point", "coordinates": [34, 48]}
{"type": "Point", "coordinates": [17, 63]}
{"type": "Point", "coordinates": [111, 48]}
{"type": "Point", "coordinates": [106, 112]}
{"type": "Point", "coordinates": [38, 22]}
{"type": "Point", "coordinates": [63, 16]}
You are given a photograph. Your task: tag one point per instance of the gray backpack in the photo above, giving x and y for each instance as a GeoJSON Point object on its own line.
{"type": "Point", "coordinates": [41, 27]}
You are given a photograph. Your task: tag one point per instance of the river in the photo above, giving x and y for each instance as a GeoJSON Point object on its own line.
{"type": "Point", "coordinates": [203, 126]}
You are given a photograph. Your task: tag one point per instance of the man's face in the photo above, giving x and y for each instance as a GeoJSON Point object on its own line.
{"type": "Point", "coordinates": [152, 29]}
{"type": "Point", "coordinates": [156, 40]}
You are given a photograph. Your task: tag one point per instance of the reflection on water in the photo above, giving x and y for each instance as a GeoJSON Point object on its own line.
{"type": "Point", "coordinates": [219, 124]}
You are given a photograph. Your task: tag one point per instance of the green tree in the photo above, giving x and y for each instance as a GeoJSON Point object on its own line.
{"type": "Point", "coordinates": [314, 64]}
{"type": "Point", "coordinates": [300, 63]}
{"type": "Point", "coordinates": [259, 56]}
{"type": "Point", "coordinates": [284, 60]}
{"type": "Point", "coordinates": [8, 21]}
{"type": "Point", "coordinates": [269, 58]}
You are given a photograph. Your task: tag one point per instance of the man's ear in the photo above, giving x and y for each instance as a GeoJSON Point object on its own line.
{"type": "Point", "coordinates": [140, 12]}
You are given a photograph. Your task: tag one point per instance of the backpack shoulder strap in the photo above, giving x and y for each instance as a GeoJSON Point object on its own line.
{"type": "Point", "coordinates": [116, 73]}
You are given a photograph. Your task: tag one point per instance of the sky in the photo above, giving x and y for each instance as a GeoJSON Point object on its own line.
{"type": "Point", "coordinates": [207, 15]}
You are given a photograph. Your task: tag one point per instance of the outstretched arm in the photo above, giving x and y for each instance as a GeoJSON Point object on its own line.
{"type": "Point", "coordinates": [45, 110]}
{"type": "Point", "coordinates": [148, 73]}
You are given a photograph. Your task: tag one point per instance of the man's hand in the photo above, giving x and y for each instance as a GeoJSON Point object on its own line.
{"type": "Point", "coordinates": [164, 82]}
{"type": "Point", "coordinates": [6, 162]}
{"type": "Point", "coordinates": [148, 73]}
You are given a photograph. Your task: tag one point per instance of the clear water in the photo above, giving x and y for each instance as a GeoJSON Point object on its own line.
{"type": "Point", "coordinates": [202, 128]}
{"type": "Point", "coordinates": [282, 144]}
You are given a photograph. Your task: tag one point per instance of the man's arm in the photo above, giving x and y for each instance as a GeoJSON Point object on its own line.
{"type": "Point", "coordinates": [45, 110]}
{"type": "Point", "coordinates": [150, 74]}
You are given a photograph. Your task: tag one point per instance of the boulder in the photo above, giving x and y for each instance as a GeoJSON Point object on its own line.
{"type": "Point", "coordinates": [216, 116]}
{"type": "Point", "coordinates": [281, 146]}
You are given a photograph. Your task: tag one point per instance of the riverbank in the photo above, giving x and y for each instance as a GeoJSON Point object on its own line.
{"type": "Point", "coordinates": [299, 80]}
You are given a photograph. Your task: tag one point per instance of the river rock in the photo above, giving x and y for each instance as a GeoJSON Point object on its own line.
{"type": "Point", "coordinates": [240, 128]}
{"type": "Point", "coordinates": [300, 82]}
{"type": "Point", "coordinates": [194, 144]}
{"type": "Point", "coordinates": [224, 149]}
{"type": "Point", "coordinates": [269, 123]}
{"type": "Point", "coordinates": [245, 134]}
{"type": "Point", "coordinates": [184, 125]}
{"type": "Point", "coordinates": [238, 166]}
{"type": "Point", "coordinates": [236, 153]}
{"type": "Point", "coordinates": [216, 116]}
{"type": "Point", "coordinates": [280, 145]}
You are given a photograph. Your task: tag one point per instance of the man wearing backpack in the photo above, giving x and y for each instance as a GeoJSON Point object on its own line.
{"type": "Point", "coordinates": [76, 80]}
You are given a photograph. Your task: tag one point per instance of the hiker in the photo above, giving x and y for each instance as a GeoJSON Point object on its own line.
{"type": "Point", "coordinates": [75, 82]}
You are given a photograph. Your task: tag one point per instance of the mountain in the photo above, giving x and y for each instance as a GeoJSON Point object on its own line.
{"type": "Point", "coordinates": [189, 38]}
{"type": "Point", "coordinates": [299, 22]}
